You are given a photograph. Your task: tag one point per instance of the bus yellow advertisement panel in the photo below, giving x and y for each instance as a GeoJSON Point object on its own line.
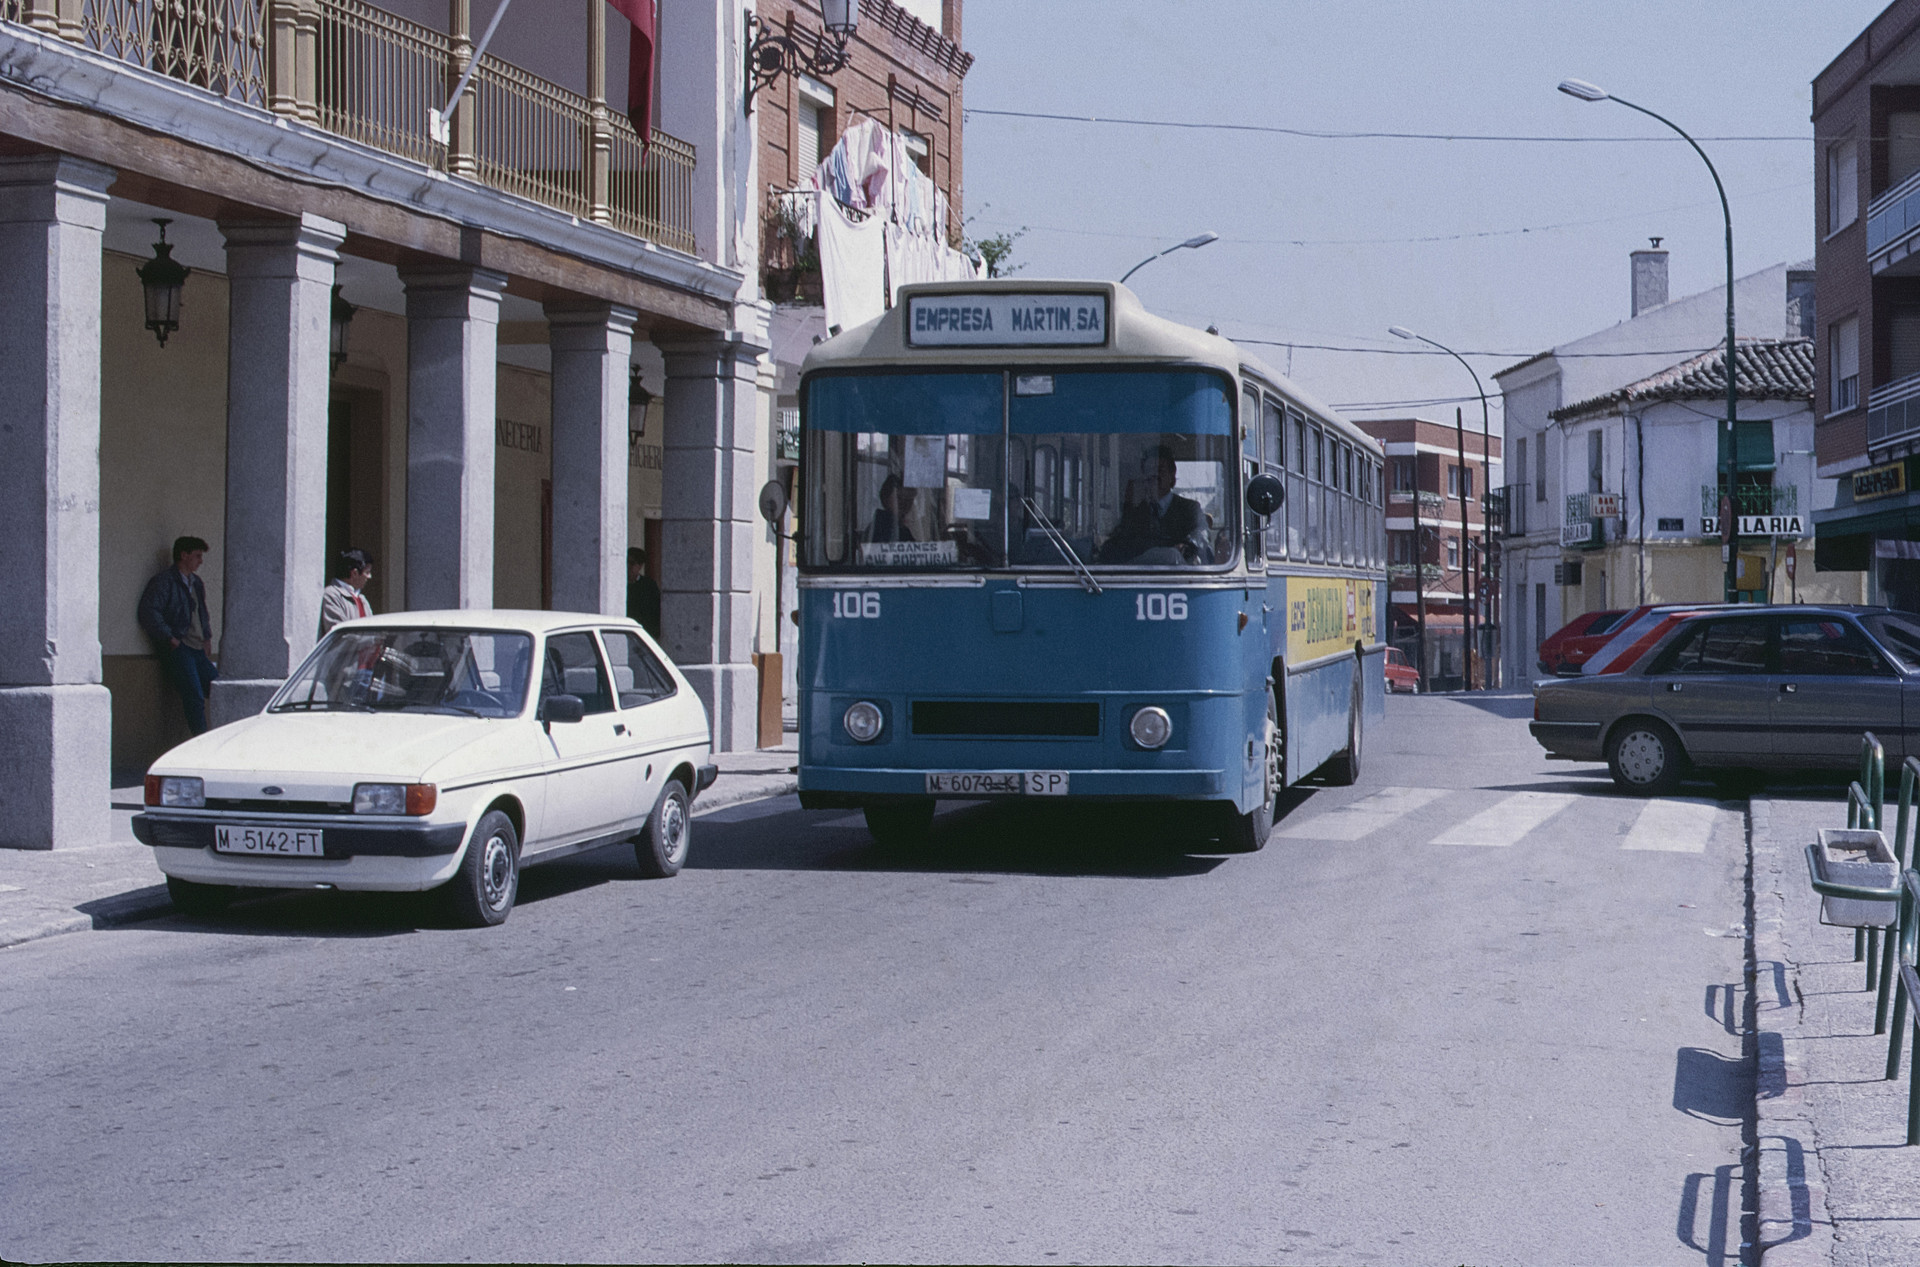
{"type": "Point", "coordinates": [1327, 615]}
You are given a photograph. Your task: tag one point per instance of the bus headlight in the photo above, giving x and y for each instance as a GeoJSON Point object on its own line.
{"type": "Point", "coordinates": [1151, 727]}
{"type": "Point", "coordinates": [864, 721]}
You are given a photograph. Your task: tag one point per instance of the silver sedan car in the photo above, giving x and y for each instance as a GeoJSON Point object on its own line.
{"type": "Point", "coordinates": [1754, 687]}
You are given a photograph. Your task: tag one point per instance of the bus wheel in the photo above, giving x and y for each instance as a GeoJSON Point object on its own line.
{"type": "Point", "coordinates": [1344, 769]}
{"type": "Point", "coordinates": [1248, 833]}
{"type": "Point", "coordinates": [900, 822]}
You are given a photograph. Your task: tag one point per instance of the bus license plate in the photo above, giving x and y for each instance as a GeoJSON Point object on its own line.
{"type": "Point", "coordinates": [998, 783]}
{"type": "Point", "coordinates": [278, 842]}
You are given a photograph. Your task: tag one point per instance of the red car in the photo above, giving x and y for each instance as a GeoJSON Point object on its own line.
{"type": "Point", "coordinates": [1401, 676]}
{"type": "Point", "coordinates": [1568, 647]}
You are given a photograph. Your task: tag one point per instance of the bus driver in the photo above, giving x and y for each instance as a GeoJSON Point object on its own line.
{"type": "Point", "coordinates": [889, 521]}
{"type": "Point", "coordinates": [1161, 520]}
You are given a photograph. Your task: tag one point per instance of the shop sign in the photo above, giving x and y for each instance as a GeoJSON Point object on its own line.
{"type": "Point", "coordinates": [1880, 481]}
{"type": "Point", "coordinates": [1576, 534]}
{"type": "Point", "coordinates": [1603, 505]}
{"type": "Point", "coordinates": [1758, 526]}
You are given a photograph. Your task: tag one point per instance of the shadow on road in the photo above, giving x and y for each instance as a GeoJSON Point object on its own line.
{"type": "Point", "coordinates": [1711, 1086]}
{"type": "Point", "coordinates": [1000, 837]}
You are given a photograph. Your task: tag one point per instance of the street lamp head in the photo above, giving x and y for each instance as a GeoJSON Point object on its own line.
{"type": "Point", "coordinates": [1200, 240]}
{"type": "Point", "coordinates": [1582, 89]}
{"type": "Point", "coordinates": [1401, 332]}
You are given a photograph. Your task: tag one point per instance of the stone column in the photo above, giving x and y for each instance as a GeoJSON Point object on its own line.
{"type": "Point", "coordinates": [453, 337]}
{"type": "Point", "coordinates": [709, 513]}
{"type": "Point", "coordinates": [280, 277]}
{"type": "Point", "coordinates": [592, 348]}
{"type": "Point", "coordinates": [54, 713]}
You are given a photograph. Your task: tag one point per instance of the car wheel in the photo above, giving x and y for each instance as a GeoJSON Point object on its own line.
{"type": "Point", "coordinates": [1248, 833]}
{"type": "Point", "coordinates": [661, 847]}
{"type": "Point", "coordinates": [482, 891]}
{"type": "Point", "coordinates": [199, 900]}
{"type": "Point", "coordinates": [1645, 757]}
{"type": "Point", "coordinates": [900, 822]}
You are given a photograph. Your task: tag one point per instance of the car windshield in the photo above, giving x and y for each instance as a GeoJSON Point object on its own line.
{"type": "Point", "coordinates": [971, 470]}
{"type": "Point", "coordinates": [452, 671]}
{"type": "Point", "coordinates": [1899, 633]}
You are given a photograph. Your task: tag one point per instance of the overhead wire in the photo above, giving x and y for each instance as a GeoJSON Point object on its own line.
{"type": "Point", "coordinates": [1321, 134]}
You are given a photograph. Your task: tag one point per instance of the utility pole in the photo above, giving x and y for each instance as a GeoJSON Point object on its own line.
{"type": "Point", "coordinates": [1466, 544]}
{"type": "Point", "coordinates": [1419, 565]}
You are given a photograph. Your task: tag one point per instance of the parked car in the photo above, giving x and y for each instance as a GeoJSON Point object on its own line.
{"type": "Point", "coordinates": [1783, 687]}
{"type": "Point", "coordinates": [438, 748]}
{"type": "Point", "coordinates": [1568, 647]}
{"type": "Point", "coordinates": [1401, 675]}
{"type": "Point", "coordinates": [1638, 630]}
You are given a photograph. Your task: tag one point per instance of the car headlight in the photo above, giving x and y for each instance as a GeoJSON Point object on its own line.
{"type": "Point", "coordinates": [176, 793]}
{"type": "Point", "coordinates": [395, 798]}
{"type": "Point", "coordinates": [864, 721]}
{"type": "Point", "coordinates": [1151, 727]}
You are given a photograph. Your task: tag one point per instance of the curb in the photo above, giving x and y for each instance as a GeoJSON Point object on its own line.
{"type": "Point", "coordinates": [1793, 1225]}
{"type": "Point", "coordinates": [130, 907]}
{"type": "Point", "coordinates": [714, 798]}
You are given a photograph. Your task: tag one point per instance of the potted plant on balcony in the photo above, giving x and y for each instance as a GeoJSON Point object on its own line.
{"type": "Point", "coordinates": [792, 273]}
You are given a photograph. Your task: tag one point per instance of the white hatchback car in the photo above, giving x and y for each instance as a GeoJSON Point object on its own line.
{"type": "Point", "coordinates": [438, 748]}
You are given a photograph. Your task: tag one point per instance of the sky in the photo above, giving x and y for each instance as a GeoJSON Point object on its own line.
{"type": "Point", "coordinates": [1525, 242]}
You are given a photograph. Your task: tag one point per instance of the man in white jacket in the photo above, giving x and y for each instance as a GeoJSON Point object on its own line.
{"type": "Point", "coordinates": [342, 599]}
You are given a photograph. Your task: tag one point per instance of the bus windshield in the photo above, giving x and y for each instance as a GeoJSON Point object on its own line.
{"type": "Point", "coordinates": [969, 470]}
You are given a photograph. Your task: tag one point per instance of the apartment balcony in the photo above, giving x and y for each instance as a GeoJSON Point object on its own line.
{"type": "Point", "coordinates": [1893, 227]}
{"type": "Point", "coordinates": [1752, 499]}
{"type": "Point", "coordinates": [1893, 411]}
{"type": "Point", "coordinates": [360, 72]}
{"type": "Point", "coordinates": [1431, 504]}
{"type": "Point", "coordinates": [1507, 509]}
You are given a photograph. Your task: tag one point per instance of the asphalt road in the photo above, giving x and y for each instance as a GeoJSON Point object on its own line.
{"type": "Point", "coordinates": [1478, 1009]}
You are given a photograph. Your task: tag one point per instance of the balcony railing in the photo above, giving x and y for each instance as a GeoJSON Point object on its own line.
{"type": "Point", "coordinates": [1429, 501]}
{"type": "Point", "coordinates": [1752, 499]}
{"type": "Point", "coordinates": [1893, 215]}
{"type": "Point", "coordinates": [1893, 410]}
{"type": "Point", "coordinates": [372, 76]}
{"type": "Point", "coordinates": [1508, 507]}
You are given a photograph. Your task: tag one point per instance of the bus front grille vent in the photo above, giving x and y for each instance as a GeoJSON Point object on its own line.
{"type": "Point", "coordinates": [1031, 718]}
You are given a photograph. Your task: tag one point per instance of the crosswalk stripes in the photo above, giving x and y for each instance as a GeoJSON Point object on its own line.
{"type": "Point", "coordinates": [1674, 826]}
{"type": "Point", "coordinates": [1363, 817]}
{"type": "Point", "coordinates": [1507, 820]}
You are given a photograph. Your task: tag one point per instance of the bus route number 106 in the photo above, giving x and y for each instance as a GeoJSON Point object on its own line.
{"type": "Point", "coordinates": [856, 605]}
{"type": "Point", "coordinates": [1159, 606]}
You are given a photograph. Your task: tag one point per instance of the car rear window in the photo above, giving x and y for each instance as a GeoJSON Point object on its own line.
{"type": "Point", "coordinates": [1899, 634]}
{"type": "Point", "coordinates": [1718, 646]}
{"type": "Point", "coordinates": [1604, 621]}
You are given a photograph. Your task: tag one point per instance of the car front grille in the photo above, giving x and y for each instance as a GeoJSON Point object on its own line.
{"type": "Point", "coordinates": [1020, 718]}
{"type": "Point", "coordinates": [275, 805]}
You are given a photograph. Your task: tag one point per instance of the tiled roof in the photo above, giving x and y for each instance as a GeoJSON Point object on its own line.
{"type": "Point", "coordinates": [1764, 369]}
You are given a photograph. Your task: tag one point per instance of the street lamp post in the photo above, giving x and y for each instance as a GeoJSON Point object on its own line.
{"type": "Point", "coordinates": [1191, 244]}
{"type": "Point", "coordinates": [1589, 92]}
{"type": "Point", "coordinates": [1486, 430]}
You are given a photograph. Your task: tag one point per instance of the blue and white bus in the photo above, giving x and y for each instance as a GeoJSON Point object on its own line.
{"type": "Point", "coordinates": [1032, 564]}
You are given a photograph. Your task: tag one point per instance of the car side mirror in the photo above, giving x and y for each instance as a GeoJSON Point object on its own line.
{"type": "Point", "coordinates": [562, 708]}
{"type": "Point", "coordinates": [1265, 493]}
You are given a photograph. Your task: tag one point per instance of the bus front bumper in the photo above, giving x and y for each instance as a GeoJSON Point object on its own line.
{"type": "Point", "coordinates": [838, 787]}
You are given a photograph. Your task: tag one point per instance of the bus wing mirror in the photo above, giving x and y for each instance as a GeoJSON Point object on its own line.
{"type": "Point", "coordinates": [1265, 492]}
{"type": "Point", "coordinates": [773, 502]}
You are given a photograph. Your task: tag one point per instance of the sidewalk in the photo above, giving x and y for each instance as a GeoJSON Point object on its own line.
{"type": "Point", "coordinates": [74, 887]}
{"type": "Point", "coordinates": [1836, 1182]}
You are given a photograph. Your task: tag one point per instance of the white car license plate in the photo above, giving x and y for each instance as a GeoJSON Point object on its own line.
{"type": "Point", "coordinates": [276, 842]}
{"type": "Point", "coordinates": [998, 783]}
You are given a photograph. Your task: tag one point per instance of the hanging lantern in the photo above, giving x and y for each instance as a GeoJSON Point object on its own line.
{"type": "Point", "coordinates": [638, 398]}
{"type": "Point", "coordinates": [337, 335]}
{"type": "Point", "coordinates": [162, 278]}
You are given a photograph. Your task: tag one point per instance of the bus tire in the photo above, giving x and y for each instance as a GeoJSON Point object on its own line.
{"type": "Point", "coordinates": [1248, 833]}
{"type": "Point", "coordinates": [1344, 769]}
{"type": "Point", "coordinates": [900, 822]}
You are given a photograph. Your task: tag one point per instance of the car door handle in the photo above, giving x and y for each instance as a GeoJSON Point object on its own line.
{"type": "Point", "coordinates": [1788, 688]}
{"type": "Point", "coordinates": [1674, 686]}
{"type": "Point", "coordinates": [619, 728]}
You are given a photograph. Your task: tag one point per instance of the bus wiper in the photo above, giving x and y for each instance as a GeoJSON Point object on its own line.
{"type": "Point", "coordinates": [1054, 535]}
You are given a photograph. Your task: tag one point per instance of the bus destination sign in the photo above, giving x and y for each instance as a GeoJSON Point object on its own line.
{"type": "Point", "coordinates": [1007, 320]}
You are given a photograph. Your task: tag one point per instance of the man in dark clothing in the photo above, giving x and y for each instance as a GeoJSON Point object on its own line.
{"type": "Point", "coordinates": [171, 607]}
{"type": "Point", "coordinates": [1158, 518]}
{"type": "Point", "coordinates": [643, 596]}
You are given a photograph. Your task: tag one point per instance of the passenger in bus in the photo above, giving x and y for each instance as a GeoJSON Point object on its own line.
{"type": "Point", "coordinates": [1158, 526]}
{"type": "Point", "coordinates": [890, 520]}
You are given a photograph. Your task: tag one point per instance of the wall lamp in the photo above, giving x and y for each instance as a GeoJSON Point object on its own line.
{"type": "Point", "coordinates": [163, 278]}
{"type": "Point", "coordinates": [342, 317]}
{"type": "Point", "coordinates": [774, 53]}
{"type": "Point", "coordinates": [638, 398]}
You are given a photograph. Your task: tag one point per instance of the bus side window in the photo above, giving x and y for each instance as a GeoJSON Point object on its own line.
{"type": "Point", "coordinates": [1297, 489]}
{"type": "Point", "coordinates": [1317, 498]}
{"type": "Point", "coordinates": [1250, 424]}
{"type": "Point", "coordinates": [1273, 427]}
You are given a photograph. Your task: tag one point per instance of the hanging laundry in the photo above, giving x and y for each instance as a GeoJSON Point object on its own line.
{"type": "Point", "coordinates": [852, 266]}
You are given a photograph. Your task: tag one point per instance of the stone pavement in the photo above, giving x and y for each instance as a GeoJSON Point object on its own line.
{"type": "Point", "coordinates": [1837, 1183]}
{"type": "Point", "coordinates": [80, 886]}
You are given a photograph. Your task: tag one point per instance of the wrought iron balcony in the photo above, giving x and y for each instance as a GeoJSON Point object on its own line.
{"type": "Point", "coordinates": [1752, 499]}
{"type": "Point", "coordinates": [372, 76]}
